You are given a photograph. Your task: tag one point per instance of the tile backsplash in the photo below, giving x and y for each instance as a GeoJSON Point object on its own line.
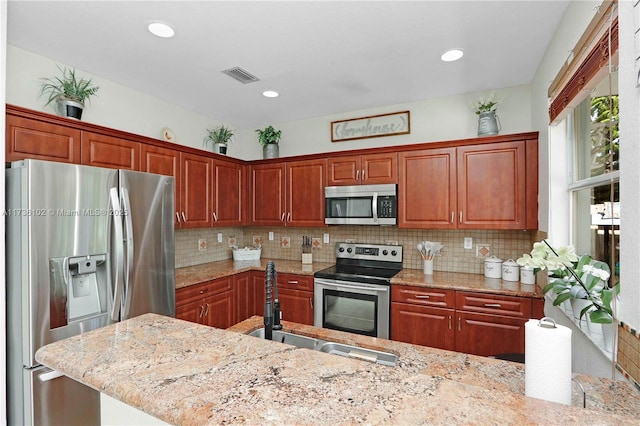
{"type": "Point", "coordinates": [287, 244]}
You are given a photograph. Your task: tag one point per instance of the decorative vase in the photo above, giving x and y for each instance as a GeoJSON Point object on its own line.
{"type": "Point", "coordinates": [220, 148]}
{"type": "Point", "coordinates": [427, 267]}
{"type": "Point", "coordinates": [608, 334]}
{"type": "Point", "coordinates": [488, 123]}
{"type": "Point", "coordinates": [69, 108]}
{"type": "Point", "coordinates": [578, 305]}
{"type": "Point", "coordinates": [270, 150]}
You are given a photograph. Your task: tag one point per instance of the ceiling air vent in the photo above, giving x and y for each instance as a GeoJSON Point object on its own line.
{"type": "Point", "coordinates": [241, 75]}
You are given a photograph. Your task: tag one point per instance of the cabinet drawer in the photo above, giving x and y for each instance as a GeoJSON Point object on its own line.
{"type": "Point", "coordinates": [423, 296]}
{"type": "Point", "coordinates": [295, 282]}
{"type": "Point", "coordinates": [494, 304]}
{"type": "Point", "coordinates": [198, 292]}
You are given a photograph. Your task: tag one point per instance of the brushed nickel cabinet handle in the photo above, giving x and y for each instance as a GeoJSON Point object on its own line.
{"type": "Point", "coordinates": [492, 305]}
{"type": "Point", "coordinates": [293, 282]}
{"type": "Point", "coordinates": [282, 217]}
{"type": "Point", "coordinates": [289, 217]}
{"type": "Point", "coordinates": [184, 217]}
{"type": "Point", "coordinates": [450, 325]}
{"type": "Point", "coordinates": [178, 217]}
{"type": "Point", "coordinates": [459, 324]}
{"type": "Point", "coordinates": [460, 216]}
{"type": "Point", "coordinates": [363, 175]}
{"type": "Point", "coordinates": [453, 217]}
{"type": "Point", "coordinates": [357, 175]}
{"type": "Point", "coordinates": [215, 216]}
{"type": "Point", "coordinates": [421, 296]}
{"type": "Point", "coordinates": [201, 307]}
{"type": "Point", "coordinates": [311, 302]}
{"type": "Point", "coordinates": [206, 312]}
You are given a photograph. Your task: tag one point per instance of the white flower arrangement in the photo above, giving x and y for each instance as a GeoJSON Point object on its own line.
{"type": "Point", "coordinates": [573, 276]}
{"type": "Point", "coordinates": [486, 104]}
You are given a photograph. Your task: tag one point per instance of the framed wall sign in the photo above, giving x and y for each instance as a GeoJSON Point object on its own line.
{"type": "Point", "coordinates": [374, 126]}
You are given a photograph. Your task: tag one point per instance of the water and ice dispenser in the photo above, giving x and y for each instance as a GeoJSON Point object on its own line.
{"type": "Point", "coordinates": [79, 288]}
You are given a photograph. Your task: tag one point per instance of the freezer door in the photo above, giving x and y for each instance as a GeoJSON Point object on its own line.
{"type": "Point", "coordinates": [149, 256]}
{"type": "Point", "coordinates": [59, 400]}
{"type": "Point", "coordinates": [58, 266]}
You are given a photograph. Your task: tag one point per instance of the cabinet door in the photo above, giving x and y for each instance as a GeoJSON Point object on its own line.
{"type": "Point", "coordinates": [296, 306]}
{"type": "Point", "coordinates": [228, 200]}
{"type": "Point", "coordinates": [492, 186]}
{"type": "Point", "coordinates": [379, 168]}
{"type": "Point", "coordinates": [244, 297]}
{"type": "Point", "coordinates": [305, 192]}
{"type": "Point", "coordinates": [344, 170]}
{"type": "Point", "coordinates": [257, 284]}
{"type": "Point", "coordinates": [219, 310]}
{"type": "Point", "coordinates": [486, 335]}
{"type": "Point", "coordinates": [163, 161]}
{"type": "Point", "coordinates": [195, 191]}
{"type": "Point", "coordinates": [427, 189]}
{"type": "Point", "coordinates": [108, 151]}
{"type": "Point", "coordinates": [41, 141]}
{"type": "Point", "coordinates": [268, 194]}
{"type": "Point", "coordinates": [190, 311]}
{"type": "Point", "coordinates": [422, 325]}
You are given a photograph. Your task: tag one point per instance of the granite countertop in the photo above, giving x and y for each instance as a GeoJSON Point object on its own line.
{"type": "Point", "coordinates": [188, 374]}
{"type": "Point", "coordinates": [191, 275]}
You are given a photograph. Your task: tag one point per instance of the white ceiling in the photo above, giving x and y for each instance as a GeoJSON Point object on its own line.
{"type": "Point", "coordinates": [324, 57]}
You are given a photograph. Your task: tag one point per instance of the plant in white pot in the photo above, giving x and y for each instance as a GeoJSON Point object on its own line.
{"type": "Point", "coordinates": [269, 139]}
{"type": "Point", "coordinates": [69, 92]}
{"type": "Point", "coordinates": [219, 137]}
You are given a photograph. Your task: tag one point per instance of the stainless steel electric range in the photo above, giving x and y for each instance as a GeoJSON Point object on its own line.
{"type": "Point", "coordinates": [354, 294]}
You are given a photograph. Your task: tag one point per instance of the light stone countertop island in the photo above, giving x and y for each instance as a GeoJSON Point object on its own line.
{"type": "Point", "coordinates": [188, 374]}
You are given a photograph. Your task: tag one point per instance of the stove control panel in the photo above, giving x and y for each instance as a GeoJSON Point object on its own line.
{"type": "Point", "coordinates": [386, 253]}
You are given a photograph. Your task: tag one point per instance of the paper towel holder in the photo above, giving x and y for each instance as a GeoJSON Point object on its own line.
{"type": "Point", "coordinates": [547, 325]}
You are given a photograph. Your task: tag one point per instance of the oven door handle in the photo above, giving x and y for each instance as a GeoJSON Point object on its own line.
{"type": "Point", "coordinates": [354, 287]}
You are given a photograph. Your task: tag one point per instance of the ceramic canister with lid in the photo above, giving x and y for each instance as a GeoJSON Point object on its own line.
{"type": "Point", "coordinates": [510, 270]}
{"type": "Point", "coordinates": [493, 267]}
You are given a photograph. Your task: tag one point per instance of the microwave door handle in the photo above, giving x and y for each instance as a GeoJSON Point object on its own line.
{"type": "Point", "coordinates": [375, 207]}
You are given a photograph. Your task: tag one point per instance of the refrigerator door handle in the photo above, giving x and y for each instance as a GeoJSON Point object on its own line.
{"type": "Point", "coordinates": [117, 249]}
{"type": "Point", "coordinates": [128, 238]}
{"type": "Point", "coordinates": [53, 374]}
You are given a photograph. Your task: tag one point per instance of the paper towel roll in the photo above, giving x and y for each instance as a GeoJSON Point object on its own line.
{"type": "Point", "coordinates": [547, 365]}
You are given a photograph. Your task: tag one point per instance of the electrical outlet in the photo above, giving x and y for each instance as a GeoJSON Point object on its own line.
{"type": "Point", "coordinates": [219, 237]}
{"type": "Point", "coordinates": [326, 238]}
{"type": "Point", "coordinates": [468, 243]}
{"type": "Point", "coordinates": [270, 236]}
{"type": "Point", "coordinates": [202, 245]}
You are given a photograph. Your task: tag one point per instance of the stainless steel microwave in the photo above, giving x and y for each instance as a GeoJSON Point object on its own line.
{"type": "Point", "coordinates": [361, 205]}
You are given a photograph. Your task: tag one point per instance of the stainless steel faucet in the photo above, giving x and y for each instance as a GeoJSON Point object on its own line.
{"type": "Point", "coordinates": [271, 311]}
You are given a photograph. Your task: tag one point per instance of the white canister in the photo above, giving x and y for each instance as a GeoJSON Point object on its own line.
{"type": "Point", "coordinates": [493, 267]}
{"type": "Point", "coordinates": [527, 275]}
{"type": "Point", "coordinates": [510, 270]}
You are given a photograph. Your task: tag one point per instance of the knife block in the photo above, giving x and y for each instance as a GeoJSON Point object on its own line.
{"type": "Point", "coordinates": [307, 258]}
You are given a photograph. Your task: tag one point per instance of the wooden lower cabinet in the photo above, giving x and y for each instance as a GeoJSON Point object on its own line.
{"type": "Point", "coordinates": [483, 334]}
{"type": "Point", "coordinates": [422, 325]}
{"type": "Point", "coordinates": [473, 323]}
{"type": "Point", "coordinates": [244, 296]}
{"type": "Point", "coordinates": [296, 298]}
{"type": "Point", "coordinates": [211, 303]}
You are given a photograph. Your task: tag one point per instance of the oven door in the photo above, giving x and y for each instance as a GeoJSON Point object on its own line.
{"type": "Point", "coordinates": [352, 307]}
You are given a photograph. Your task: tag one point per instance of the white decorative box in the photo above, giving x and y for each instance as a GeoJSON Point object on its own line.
{"type": "Point", "coordinates": [247, 253]}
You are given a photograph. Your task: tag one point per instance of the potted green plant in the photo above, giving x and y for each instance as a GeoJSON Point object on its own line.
{"type": "Point", "coordinates": [269, 138]}
{"type": "Point", "coordinates": [488, 121]}
{"type": "Point", "coordinates": [219, 137]}
{"type": "Point", "coordinates": [69, 92]}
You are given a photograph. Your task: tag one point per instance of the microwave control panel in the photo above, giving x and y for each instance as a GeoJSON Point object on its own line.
{"type": "Point", "coordinates": [387, 207]}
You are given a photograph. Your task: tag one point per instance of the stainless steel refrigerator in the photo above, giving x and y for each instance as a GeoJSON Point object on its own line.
{"type": "Point", "coordinates": [86, 247]}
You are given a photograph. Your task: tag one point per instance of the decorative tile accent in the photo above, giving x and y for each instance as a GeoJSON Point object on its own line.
{"type": "Point", "coordinates": [316, 243]}
{"type": "Point", "coordinates": [256, 240]}
{"type": "Point", "coordinates": [483, 250]}
{"type": "Point", "coordinates": [285, 242]}
{"type": "Point", "coordinates": [232, 241]}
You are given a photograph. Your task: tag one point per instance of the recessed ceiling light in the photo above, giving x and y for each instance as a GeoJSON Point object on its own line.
{"type": "Point", "coordinates": [270, 94]}
{"type": "Point", "coordinates": [452, 55]}
{"type": "Point", "coordinates": [161, 29]}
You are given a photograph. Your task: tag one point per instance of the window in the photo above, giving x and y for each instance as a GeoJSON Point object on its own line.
{"type": "Point", "coordinates": [594, 189]}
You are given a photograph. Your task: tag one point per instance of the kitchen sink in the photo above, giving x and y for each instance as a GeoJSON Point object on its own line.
{"type": "Point", "coordinates": [334, 348]}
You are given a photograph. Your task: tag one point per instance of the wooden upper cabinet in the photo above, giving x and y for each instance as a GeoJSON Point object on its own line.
{"type": "Point", "coordinates": [492, 186]}
{"type": "Point", "coordinates": [163, 161]}
{"type": "Point", "coordinates": [268, 194]}
{"type": "Point", "coordinates": [305, 192]}
{"type": "Point", "coordinates": [27, 138]}
{"type": "Point", "coordinates": [427, 188]}
{"type": "Point", "coordinates": [362, 169]}
{"type": "Point", "coordinates": [228, 201]}
{"type": "Point", "coordinates": [482, 186]}
{"type": "Point", "coordinates": [107, 151]}
{"type": "Point", "coordinates": [195, 191]}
